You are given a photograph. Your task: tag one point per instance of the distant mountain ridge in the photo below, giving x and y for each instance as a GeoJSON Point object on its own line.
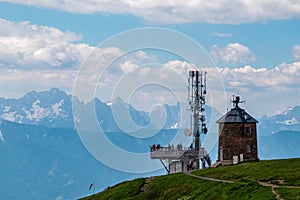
{"type": "Point", "coordinates": [289, 120]}
{"type": "Point", "coordinates": [53, 108]}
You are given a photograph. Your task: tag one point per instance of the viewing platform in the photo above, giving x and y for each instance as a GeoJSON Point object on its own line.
{"type": "Point", "coordinates": [172, 153]}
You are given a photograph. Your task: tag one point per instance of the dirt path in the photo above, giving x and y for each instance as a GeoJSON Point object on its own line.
{"type": "Point", "coordinates": [145, 184]}
{"type": "Point", "coordinates": [273, 186]}
{"type": "Point", "coordinates": [265, 184]}
{"type": "Point", "coordinates": [207, 178]}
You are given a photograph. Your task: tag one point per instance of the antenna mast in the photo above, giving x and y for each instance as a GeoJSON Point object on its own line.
{"type": "Point", "coordinates": [185, 159]}
{"type": "Point", "coordinates": [197, 92]}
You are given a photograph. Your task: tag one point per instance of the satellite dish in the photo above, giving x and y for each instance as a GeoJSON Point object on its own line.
{"type": "Point", "coordinates": [187, 132]}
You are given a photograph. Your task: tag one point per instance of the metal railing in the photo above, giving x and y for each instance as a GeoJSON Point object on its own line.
{"type": "Point", "coordinates": [172, 152]}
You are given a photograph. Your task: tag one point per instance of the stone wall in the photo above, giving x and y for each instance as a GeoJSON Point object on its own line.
{"type": "Point", "coordinates": [236, 139]}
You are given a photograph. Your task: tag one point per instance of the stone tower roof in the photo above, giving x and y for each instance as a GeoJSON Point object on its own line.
{"type": "Point", "coordinates": [237, 115]}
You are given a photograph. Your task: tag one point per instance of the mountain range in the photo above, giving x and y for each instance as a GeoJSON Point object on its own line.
{"type": "Point", "coordinates": [53, 109]}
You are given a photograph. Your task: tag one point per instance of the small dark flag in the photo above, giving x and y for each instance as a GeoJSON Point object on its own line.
{"type": "Point", "coordinates": [91, 186]}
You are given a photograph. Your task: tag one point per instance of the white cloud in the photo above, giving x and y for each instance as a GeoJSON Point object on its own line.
{"type": "Point", "coordinates": [214, 11]}
{"type": "Point", "coordinates": [24, 45]}
{"type": "Point", "coordinates": [34, 57]}
{"type": "Point", "coordinates": [222, 34]}
{"type": "Point", "coordinates": [233, 53]}
{"type": "Point", "coordinates": [128, 66]}
{"type": "Point", "coordinates": [129, 61]}
{"type": "Point", "coordinates": [264, 89]}
{"type": "Point", "coordinates": [181, 67]}
{"type": "Point", "coordinates": [284, 75]}
{"type": "Point", "coordinates": [296, 52]}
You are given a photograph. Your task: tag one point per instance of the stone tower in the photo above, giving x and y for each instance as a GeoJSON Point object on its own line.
{"type": "Point", "coordinates": [237, 136]}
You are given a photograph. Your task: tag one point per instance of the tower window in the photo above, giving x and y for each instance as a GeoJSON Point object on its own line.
{"type": "Point", "coordinates": [248, 149]}
{"type": "Point", "coordinates": [248, 130]}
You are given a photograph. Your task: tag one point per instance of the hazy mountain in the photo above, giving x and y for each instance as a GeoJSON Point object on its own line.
{"type": "Point", "coordinates": [287, 120]}
{"type": "Point", "coordinates": [38, 162]}
{"type": "Point", "coordinates": [284, 144]}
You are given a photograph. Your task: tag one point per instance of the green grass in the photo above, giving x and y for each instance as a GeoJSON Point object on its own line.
{"type": "Point", "coordinates": [245, 186]}
{"type": "Point", "coordinates": [182, 186]}
{"type": "Point", "coordinates": [288, 193]}
{"type": "Point", "coordinates": [271, 170]}
{"type": "Point", "coordinates": [124, 190]}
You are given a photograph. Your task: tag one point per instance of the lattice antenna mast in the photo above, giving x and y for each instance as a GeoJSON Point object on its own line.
{"type": "Point", "coordinates": [196, 95]}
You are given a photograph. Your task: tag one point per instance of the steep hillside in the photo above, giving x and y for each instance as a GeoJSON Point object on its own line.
{"type": "Point", "coordinates": [273, 179]}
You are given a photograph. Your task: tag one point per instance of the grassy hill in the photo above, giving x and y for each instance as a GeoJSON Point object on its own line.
{"type": "Point", "coordinates": [272, 179]}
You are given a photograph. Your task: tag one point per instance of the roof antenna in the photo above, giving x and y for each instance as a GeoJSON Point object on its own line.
{"type": "Point", "coordinates": [236, 100]}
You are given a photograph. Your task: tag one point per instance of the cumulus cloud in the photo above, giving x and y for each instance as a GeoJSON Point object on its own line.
{"type": "Point", "coordinates": [181, 67]}
{"type": "Point", "coordinates": [130, 61]}
{"type": "Point", "coordinates": [41, 57]}
{"type": "Point", "coordinates": [284, 75]}
{"type": "Point", "coordinates": [264, 89]}
{"type": "Point", "coordinates": [233, 53]}
{"type": "Point", "coordinates": [296, 52]}
{"type": "Point", "coordinates": [214, 11]}
{"type": "Point", "coordinates": [25, 45]}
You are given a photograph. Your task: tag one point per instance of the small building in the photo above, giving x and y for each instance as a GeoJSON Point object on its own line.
{"type": "Point", "coordinates": [237, 136]}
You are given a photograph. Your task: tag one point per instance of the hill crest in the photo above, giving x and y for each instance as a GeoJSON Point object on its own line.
{"type": "Point", "coordinates": [272, 179]}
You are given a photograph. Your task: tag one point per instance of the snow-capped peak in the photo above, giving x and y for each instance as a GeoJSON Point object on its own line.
{"type": "Point", "coordinates": [287, 110]}
{"type": "Point", "coordinates": [291, 121]}
{"type": "Point", "coordinates": [116, 101]}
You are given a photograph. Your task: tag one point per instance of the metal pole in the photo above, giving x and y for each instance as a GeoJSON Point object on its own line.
{"type": "Point", "coordinates": [196, 113]}
{"type": "Point", "coordinates": [94, 190]}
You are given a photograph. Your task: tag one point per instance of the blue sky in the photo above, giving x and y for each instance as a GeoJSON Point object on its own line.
{"type": "Point", "coordinates": [255, 46]}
